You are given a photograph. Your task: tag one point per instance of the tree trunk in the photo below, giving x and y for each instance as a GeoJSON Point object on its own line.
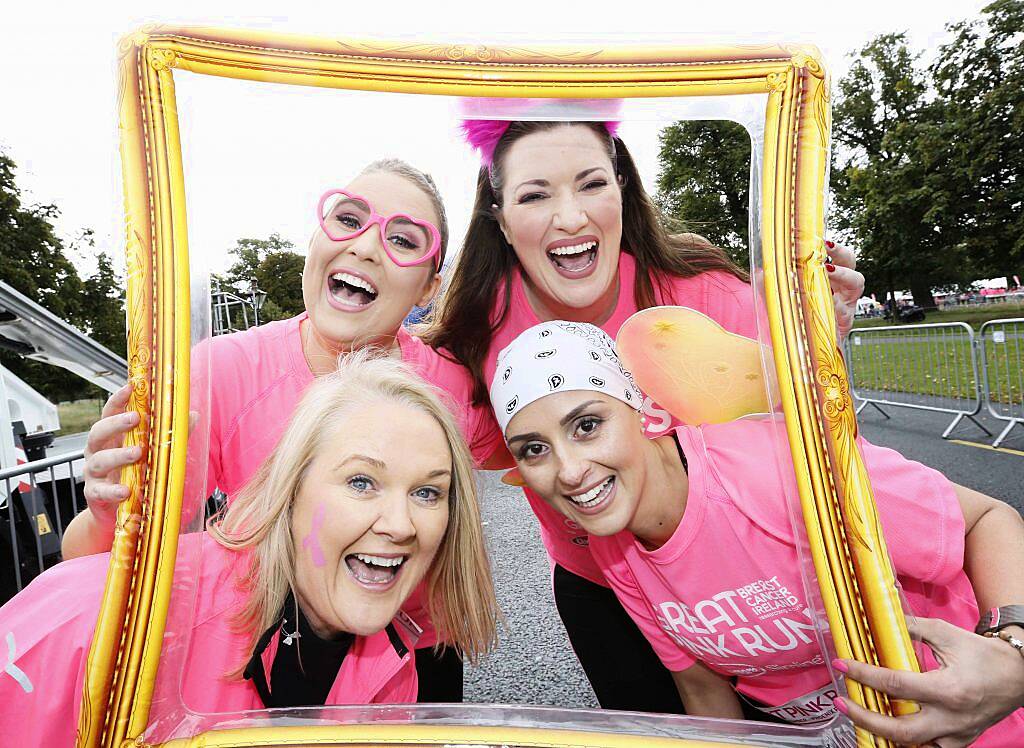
{"type": "Point", "coordinates": [922, 293]}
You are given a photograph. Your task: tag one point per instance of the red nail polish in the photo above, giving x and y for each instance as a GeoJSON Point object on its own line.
{"type": "Point", "coordinates": [841, 666]}
{"type": "Point", "coordinates": [830, 267]}
{"type": "Point", "coordinates": [841, 706]}
{"type": "Point", "coordinates": [829, 244]}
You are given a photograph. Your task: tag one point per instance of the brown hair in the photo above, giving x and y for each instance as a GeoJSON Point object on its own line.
{"type": "Point", "coordinates": [464, 323]}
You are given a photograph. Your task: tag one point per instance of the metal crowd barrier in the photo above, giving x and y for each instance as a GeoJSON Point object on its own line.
{"type": "Point", "coordinates": [36, 513]}
{"type": "Point", "coordinates": [1002, 365]}
{"type": "Point", "coordinates": [927, 367]}
{"type": "Point", "coordinates": [37, 509]}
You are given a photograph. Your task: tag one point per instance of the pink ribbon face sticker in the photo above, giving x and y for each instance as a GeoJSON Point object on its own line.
{"type": "Point", "coordinates": [312, 541]}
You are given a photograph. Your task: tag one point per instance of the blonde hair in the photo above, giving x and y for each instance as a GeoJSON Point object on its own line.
{"type": "Point", "coordinates": [460, 592]}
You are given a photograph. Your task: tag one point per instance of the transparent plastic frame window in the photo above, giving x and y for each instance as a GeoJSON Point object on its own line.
{"type": "Point", "coordinates": [778, 93]}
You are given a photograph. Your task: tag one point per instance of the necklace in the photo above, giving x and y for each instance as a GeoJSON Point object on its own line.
{"type": "Point", "coordinates": [289, 638]}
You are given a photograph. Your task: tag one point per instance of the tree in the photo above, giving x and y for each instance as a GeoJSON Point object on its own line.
{"type": "Point", "coordinates": [704, 183]}
{"type": "Point", "coordinates": [32, 258]}
{"type": "Point", "coordinates": [275, 268]}
{"type": "Point", "coordinates": [280, 275]}
{"type": "Point", "coordinates": [248, 254]}
{"type": "Point", "coordinates": [33, 262]}
{"type": "Point", "coordinates": [979, 77]}
{"type": "Point", "coordinates": [103, 301]}
{"type": "Point", "coordinates": [886, 184]}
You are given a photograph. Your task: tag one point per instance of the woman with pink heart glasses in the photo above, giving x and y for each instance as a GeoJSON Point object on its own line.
{"type": "Point", "coordinates": [375, 254]}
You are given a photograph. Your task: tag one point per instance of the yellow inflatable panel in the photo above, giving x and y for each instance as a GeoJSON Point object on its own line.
{"type": "Point", "coordinates": [692, 367]}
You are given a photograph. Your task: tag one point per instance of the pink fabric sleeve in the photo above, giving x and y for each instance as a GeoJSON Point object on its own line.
{"type": "Point", "coordinates": [720, 295]}
{"type": "Point", "coordinates": [45, 634]}
{"type": "Point", "coordinates": [483, 434]}
{"type": "Point", "coordinates": [920, 515]}
{"type": "Point", "coordinates": [477, 423]}
{"type": "Point", "coordinates": [208, 407]}
{"type": "Point", "coordinates": [918, 509]}
{"type": "Point", "coordinates": [730, 302]}
{"type": "Point", "coordinates": [607, 553]}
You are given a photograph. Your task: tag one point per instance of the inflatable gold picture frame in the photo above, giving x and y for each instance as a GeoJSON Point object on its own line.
{"type": "Point", "coordinates": [857, 586]}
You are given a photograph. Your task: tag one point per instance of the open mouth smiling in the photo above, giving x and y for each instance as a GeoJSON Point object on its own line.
{"type": "Point", "coordinates": [375, 572]}
{"type": "Point", "coordinates": [351, 290]}
{"type": "Point", "coordinates": [575, 257]}
{"type": "Point", "coordinates": [594, 499]}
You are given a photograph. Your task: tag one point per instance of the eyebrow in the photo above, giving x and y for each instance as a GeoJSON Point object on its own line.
{"type": "Point", "coordinates": [362, 458]}
{"type": "Point", "coordinates": [346, 201]}
{"type": "Point", "coordinates": [405, 222]}
{"type": "Point", "coordinates": [545, 183]}
{"type": "Point", "coordinates": [438, 473]}
{"type": "Point", "coordinates": [577, 410]}
{"type": "Point", "coordinates": [568, 417]}
{"type": "Point", "coordinates": [524, 437]}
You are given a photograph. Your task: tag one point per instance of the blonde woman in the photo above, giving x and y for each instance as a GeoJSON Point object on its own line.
{"type": "Point", "coordinates": [301, 581]}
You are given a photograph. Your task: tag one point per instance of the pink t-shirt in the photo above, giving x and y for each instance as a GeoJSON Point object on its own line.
{"type": "Point", "coordinates": [721, 296]}
{"type": "Point", "coordinates": [726, 588]}
{"type": "Point", "coordinates": [257, 379]}
{"type": "Point", "coordinates": [50, 624]}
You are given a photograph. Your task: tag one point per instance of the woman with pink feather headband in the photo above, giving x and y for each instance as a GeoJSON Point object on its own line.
{"type": "Point", "coordinates": [563, 229]}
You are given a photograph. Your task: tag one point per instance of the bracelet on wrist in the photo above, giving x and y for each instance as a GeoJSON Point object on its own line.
{"type": "Point", "coordinates": [1009, 638]}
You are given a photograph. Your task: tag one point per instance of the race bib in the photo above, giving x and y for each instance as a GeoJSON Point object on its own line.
{"type": "Point", "coordinates": [809, 709]}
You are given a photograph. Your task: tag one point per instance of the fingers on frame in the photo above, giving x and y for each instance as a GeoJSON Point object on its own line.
{"type": "Point", "coordinates": [910, 729]}
{"type": "Point", "coordinates": [842, 257]}
{"type": "Point", "coordinates": [117, 401]}
{"type": "Point", "coordinates": [105, 492]}
{"type": "Point", "coordinates": [900, 684]}
{"type": "Point", "coordinates": [933, 631]}
{"type": "Point", "coordinates": [847, 283]}
{"type": "Point", "coordinates": [107, 429]}
{"type": "Point", "coordinates": [104, 461]}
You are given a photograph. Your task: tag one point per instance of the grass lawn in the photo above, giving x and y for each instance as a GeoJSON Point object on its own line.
{"type": "Point", "coordinates": [77, 416]}
{"type": "Point", "coordinates": [975, 316]}
{"type": "Point", "coordinates": [937, 363]}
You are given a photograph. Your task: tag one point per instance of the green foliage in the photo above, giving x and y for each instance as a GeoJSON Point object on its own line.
{"type": "Point", "coordinates": [280, 275]}
{"type": "Point", "coordinates": [32, 257]}
{"type": "Point", "coordinates": [928, 171]}
{"type": "Point", "coordinates": [929, 177]}
{"type": "Point", "coordinates": [34, 262]}
{"type": "Point", "coordinates": [103, 302]}
{"type": "Point", "coordinates": [885, 186]}
{"type": "Point", "coordinates": [704, 182]}
{"type": "Point", "coordinates": [979, 78]}
{"type": "Point", "coordinates": [276, 270]}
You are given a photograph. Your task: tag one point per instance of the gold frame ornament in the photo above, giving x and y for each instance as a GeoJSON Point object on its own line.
{"type": "Point", "coordinates": [858, 588]}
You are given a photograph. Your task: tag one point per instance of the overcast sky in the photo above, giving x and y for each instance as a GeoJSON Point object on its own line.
{"type": "Point", "coordinates": [258, 156]}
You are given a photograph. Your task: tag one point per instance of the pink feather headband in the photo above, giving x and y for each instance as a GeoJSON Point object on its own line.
{"type": "Point", "coordinates": [484, 134]}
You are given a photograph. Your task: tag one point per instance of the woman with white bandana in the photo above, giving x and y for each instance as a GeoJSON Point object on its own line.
{"type": "Point", "coordinates": [691, 531]}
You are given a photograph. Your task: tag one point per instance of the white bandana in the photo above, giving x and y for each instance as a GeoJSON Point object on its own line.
{"type": "Point", "coordinates": [558, 357]}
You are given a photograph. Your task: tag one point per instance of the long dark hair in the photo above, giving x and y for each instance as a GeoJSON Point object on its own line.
{"type": "Point", "coordinates": [464, 324]}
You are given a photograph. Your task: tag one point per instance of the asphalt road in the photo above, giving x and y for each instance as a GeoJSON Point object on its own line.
{"type": "Point", "coordinates": [534, 664]}
{"type": "Point", "coordinates": [916, 435]}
